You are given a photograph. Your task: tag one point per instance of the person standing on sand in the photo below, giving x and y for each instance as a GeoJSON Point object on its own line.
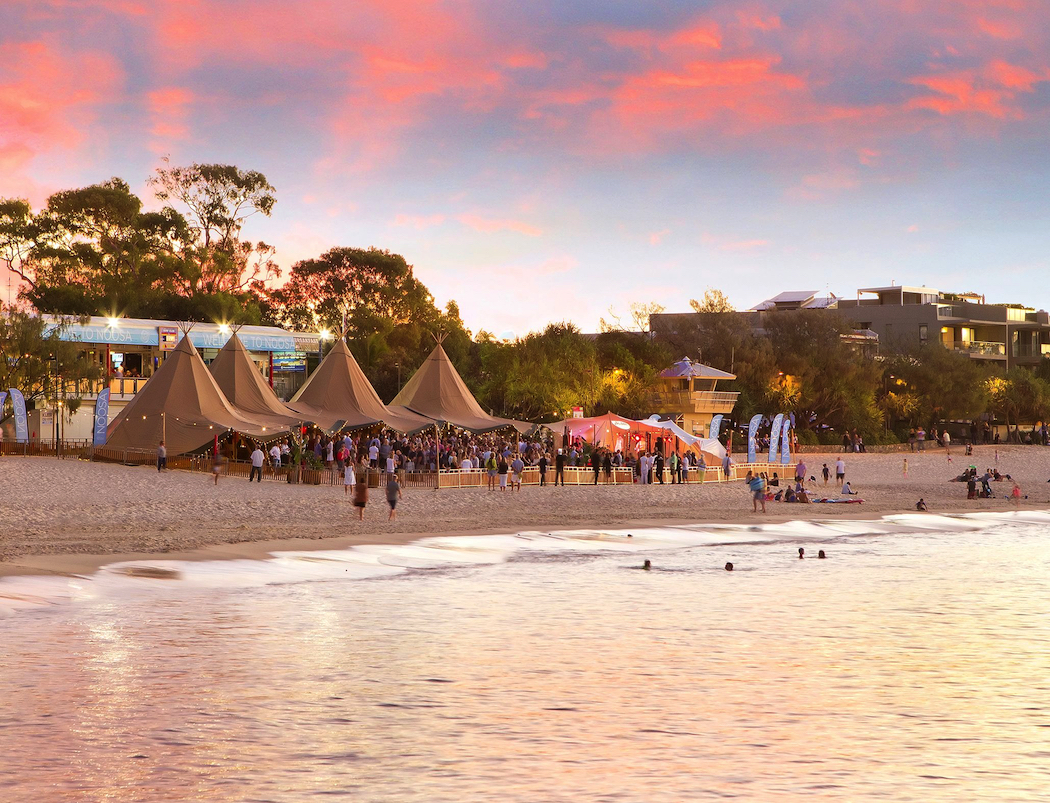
{"type": "Point", "coordinates": [517, 465]}
{"type": "Point", "coordinates": [502, 469]}
{"type": "Point", "coordinates": [905, 467]}
{"type": "Point", "coordinates": [607, 467]}
{"type": "Point", "coordinates": [162, 457]}
{"type": "Point", "coordinates": [826, 472]}
{"type": "Point", "coordinates": [491, 469]}
{"type": "Point", "coordinates": [840, 472]}
{"type": "Point", "coordinates": [543, 469]}
{"type": "Point", "coordinates": [1015, 495]}
{"type": "Point", "coordinates": [216, 465]}
{"type": "Point", "coordinates": [800, 472]}
{"type": "Point", "coordinates": [349, 478]}
{"type": "Point", "coordinates": [257, 463]}
{"type": "Point", "coordinates": [920, 439]}
{"type": "Point", "coordinates": [559, 468]}
{"type": "Point", "coordinates": [946, 440]}
{"type": "Point", "coordinates": [360, 496]}
{"type": "Point", "coordinates": [393, 495]}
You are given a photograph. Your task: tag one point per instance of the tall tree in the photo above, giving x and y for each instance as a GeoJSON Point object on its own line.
{"type": "Point", "coordinates": [218, 200]}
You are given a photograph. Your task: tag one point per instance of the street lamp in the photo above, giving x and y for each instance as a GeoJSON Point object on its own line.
{"type": "Point", "coordinates": [322, 336]}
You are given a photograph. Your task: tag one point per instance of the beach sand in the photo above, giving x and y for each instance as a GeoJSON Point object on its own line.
{"type": "Point", "coordinates": [69, 517]}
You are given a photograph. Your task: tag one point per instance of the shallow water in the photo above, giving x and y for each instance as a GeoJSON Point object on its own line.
{"type": "Point", "coordinates": [909, 665]}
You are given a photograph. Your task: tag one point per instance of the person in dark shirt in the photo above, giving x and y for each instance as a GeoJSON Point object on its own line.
{"type": "Point", "coordinates": [543, 469]}
{"type": "Point", "coordinates": [559, 467]}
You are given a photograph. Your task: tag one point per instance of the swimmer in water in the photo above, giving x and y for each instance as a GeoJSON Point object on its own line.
{"type": "Point", "coordinates": [801, 553]}
{"type": "Point", "coordinates": [821, 554]}
{"type": "Point", "coordinates": [647, 565]}
{"type": "Point", "coordinates": [729, 567]}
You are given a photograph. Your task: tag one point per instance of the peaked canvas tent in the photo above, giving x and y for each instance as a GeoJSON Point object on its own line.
{"type": "Point", "coordinates": [711, 447]}
{"type": "Point", "coordinates": [338, 396]}
{"type": "Point", "coordinates": [437, 391]}
{"type": "Point", "coordinates": [610, 430]}
{"type": "Point", "coordinates": [182, 405]}
{"type": "Point", "coordinates": [246, 390]}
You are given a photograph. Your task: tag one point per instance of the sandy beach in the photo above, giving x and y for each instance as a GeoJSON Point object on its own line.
{"type": "Point", "coordinates": [66, 516]}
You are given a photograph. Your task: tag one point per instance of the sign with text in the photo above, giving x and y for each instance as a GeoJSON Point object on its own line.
{"type": "Point", "coordinates": [167, 337]}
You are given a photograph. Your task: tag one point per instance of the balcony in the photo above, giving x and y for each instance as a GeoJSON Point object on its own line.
{"type": "Point", "coordinates": [981, 348]}
{"type": "Point", "coordinates": [700, 401]}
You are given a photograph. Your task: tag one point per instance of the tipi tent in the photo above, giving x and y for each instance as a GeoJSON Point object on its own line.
{"type": "Point", "coordinates": [246, 390]}
{"type": "Point", "coordinates": [339, 396]}
{"type": "Point", "coordinates": [437, 391]}
{"type": "Point", "coordinates": [182, 405]}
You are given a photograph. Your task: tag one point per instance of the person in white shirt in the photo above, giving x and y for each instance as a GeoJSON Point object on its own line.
{"type": "Point", "coordinates": [840, 471]}
{"type": "Point", "coordinates": [275, 455]}
{"type": "Point", "coordinates": [391, 464]}
{"type": "Point", "coordinates": [373, 454]}
{"type": "Point", "coordinates": [466, 465]}
{"type": "Point", "coordinates": [257, 463]}
{"type": "Point", "coordinates": [349, 477]}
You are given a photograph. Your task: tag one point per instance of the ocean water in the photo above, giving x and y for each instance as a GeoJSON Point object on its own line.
{"type": "Point", "coordinates": [911, 665]}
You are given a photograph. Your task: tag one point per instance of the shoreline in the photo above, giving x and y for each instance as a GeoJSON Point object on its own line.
{"type": "Point", "coordinates": [69, 518]}
{"type": "Point", "coordinates": [86, 564]}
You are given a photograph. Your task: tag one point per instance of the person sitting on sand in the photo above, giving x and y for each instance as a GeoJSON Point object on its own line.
{"type": "Point", "coordinates": [847, 489]}
{"type": "Point", "coordinates": [789, 495]}
{"type": "Point", "coordinates": [920, 505]}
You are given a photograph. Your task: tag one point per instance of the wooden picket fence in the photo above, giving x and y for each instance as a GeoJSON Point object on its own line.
{"type": "Point", "coordinates": [442, 479]}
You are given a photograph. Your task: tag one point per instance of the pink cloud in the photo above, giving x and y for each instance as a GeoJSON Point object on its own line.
{"type": "Point", "coordinates": [488, 225]}
{"type": "Point", "coordinates": [657, 236]}
{"type": "Point", "coordinates": [419, 221]}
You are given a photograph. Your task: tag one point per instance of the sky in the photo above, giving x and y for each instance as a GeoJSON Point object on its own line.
{"type": "Point", "coordinates": [549, 160]}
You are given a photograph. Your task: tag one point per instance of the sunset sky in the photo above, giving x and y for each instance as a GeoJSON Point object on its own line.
{"type": "Point", "coordinates": [545, 160]}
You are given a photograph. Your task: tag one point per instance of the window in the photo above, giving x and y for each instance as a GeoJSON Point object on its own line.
{"type": "Point", "coordinates": [924, 333]}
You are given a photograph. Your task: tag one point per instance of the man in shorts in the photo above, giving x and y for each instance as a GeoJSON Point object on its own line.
{"type": "Point", "coordinates": [840, 471]}
{"type": "Point", "coordinates": [393, 494]}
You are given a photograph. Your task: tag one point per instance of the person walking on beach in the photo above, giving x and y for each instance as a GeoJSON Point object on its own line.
{"type": "Point", "coordinates": [257, 463]}
{"type": "Point", "coordinates": [840, 472]}
{"type": "Point", "coordinates": [826, 472]}
{"type": "Point", "coordinates": [1015, 495]}
{"type": "Point", "coordinates": [727, 465]}
{"type": "Point", "coordinates": [946, 441]}
{"type": "Point", "coordinates": [800, 472]}
{"type": "Point", "coordinates": [758, 492]}
{"type": "Point", "coordinates": [360, 495]}
{"type": "Point", "coordinates": [393, 495]}
{"type": "Point", "coordinates": [216, 465]}
{"type": "Point", "coordinates": [162, 457]}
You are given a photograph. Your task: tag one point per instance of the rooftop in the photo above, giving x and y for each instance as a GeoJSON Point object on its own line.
{"type": "Point", "coordinates": [686, 368]}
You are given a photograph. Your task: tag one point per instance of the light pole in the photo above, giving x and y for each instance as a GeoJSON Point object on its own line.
{"type": "Point", "coordinates": [398, 376]}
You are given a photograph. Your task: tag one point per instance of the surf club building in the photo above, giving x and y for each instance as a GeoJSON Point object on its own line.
{"type": "Point", "coordinates": [131, 350]}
